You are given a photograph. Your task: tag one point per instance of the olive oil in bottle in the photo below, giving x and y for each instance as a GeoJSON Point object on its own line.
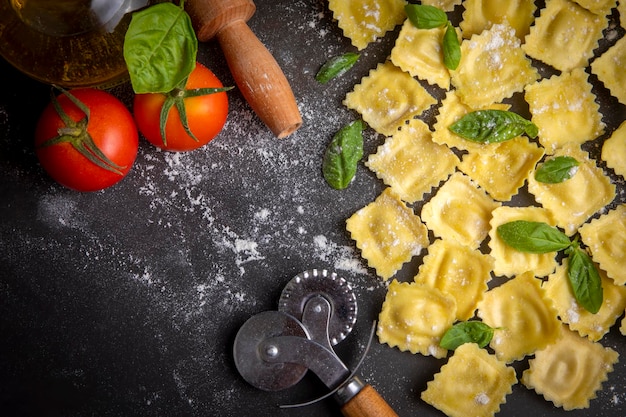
{"type": "Point", "coordinates": [70, 43]}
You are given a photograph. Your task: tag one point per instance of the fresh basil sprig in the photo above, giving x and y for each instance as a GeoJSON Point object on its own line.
{"type": "Point", "coordinates": [493, 126]}
{"type": "Point", "coordinates": [467, 332]}
{"type": "Point", "coordinates": [336, 66]}
{"type": "Point", "coordinates": [343, 155]}
{"type": "Point", "coordinates": [423, 16]}
{"type": "Point", "coordinates": [160, 48]}
{"type": "Point", "coordinates": [538, 237]}
{"type": "Point", "coordinates": [557, 170]}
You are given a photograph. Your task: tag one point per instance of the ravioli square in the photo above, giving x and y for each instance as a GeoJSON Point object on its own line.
{"type": "Point", "coordinates": [565, 35]}
{"type": "Point", "coordinates": [565, 110]}
{"type": "Point", "coordinates": [480, 15]}
{"type": "Point", "coordinates": [621, 8]}
{"type": "Point", "coordinates": [459, 271]}
{"type": "Point", "coordinates": [593, 326]}
{"type": "Point", "coordinates": [388, 233]}
{"type": "Point", "coordinates": [445, 5]}
{"type": "Point", "coordinates": [387, 98]}
{"type": "Point", "coordinates": [502, 168]}
{"type": "Point", "coordinates": [525, 317]}
{"type": "Point", "coordinates": [364, 21]}
{"type": "Point", "coordinates": [570, 372]}
{"type": "Point", "coordinates": [451, 110]}
{"type": "Point", "coordinates": [414, 318]}
{"type": "Point", "coordinates": [460, 211]}
{"type": "Point", "coordinates": [492, 67]}
{"type": "Point", "coordinates": [419, 52]}
{"type": "Point", "coordinates": [574, 201]}
{"type": "Point", "coordinates": [511, 262]}
{"type": "Point", "coordinates": [411, 163]}
{"type": "Point", "coordinates": [472, 383]}
{"type": "Point", "coordinates": [609, 68]}
{"type": "Point", "coordinates": [614, 150]}
{"type": "Point", "coordinates": [605, 238]}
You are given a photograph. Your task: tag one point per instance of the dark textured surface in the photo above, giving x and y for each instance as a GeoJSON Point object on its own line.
{"type": "Point", "coordinates": [126, 302]}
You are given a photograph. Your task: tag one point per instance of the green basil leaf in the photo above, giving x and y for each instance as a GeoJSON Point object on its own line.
{"type": "Point", "coordinates": [160, 48]}
{"type": "Point", "coordinates": [533, 237]}
{"type": "Point", "coordinates": [425, 17]}
{"type": "Point", "coordinates": [336, 67]}
{"type": "Point", "coordinates": [451, 48]}
{"type": "Point", "coordinates": [585, 280]}
{"type": "Point", "coordinates": [557, 170]}
{"type": "Point", "coordinates": [493, 126]}
{"type": "Point", "coordinates": [343, 155]}
{"type": "Point", "coordinates": [467, 332]}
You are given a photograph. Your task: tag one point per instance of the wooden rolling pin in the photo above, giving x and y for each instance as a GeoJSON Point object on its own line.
{"type": "Point", "coordinates": [256, 72]}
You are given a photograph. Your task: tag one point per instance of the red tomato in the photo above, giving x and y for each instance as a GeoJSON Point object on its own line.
{"type": "Point", "coordinates": [110, 125]}
{"type": "Point", "coordinates": [206, 114]}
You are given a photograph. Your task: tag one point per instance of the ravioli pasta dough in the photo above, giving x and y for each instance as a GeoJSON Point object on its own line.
{"type": "Point", "coordinates": [411, 163]}
{"type": "Point", "coordinates": [557, 39]}
{"type": "Point", "coordinates": [388, 98]}
{"type": "Point", "coordinates": [482, 14]}
{"type": "Point", "coordinates": [472, 383]}
{"type": "Point", "coordinates": [614, 150]}
{"type": "Point", "coordinates": [363, 21]}
{"type": "Point", "coordinates": [414, 317]}
{"type": "Point", "coordinates": [599, 7]}
{"type": "Point", "coordinates": [593, 326]}
{"type": "Point", "coordinates": [610, 69]}
{"type": "Point", "coordinates": [388, 233]}
{"type": "Point", "coordinates": [570, 371]}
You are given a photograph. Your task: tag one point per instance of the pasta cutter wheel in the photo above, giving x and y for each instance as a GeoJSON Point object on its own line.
{"type": "Point", "coordinates": [274, 349]}
{"type": "Point", "coordinates": [308, 284]}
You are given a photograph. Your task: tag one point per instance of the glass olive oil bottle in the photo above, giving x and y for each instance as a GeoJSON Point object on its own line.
{"type": "Point", "coordinates": [70, 43]}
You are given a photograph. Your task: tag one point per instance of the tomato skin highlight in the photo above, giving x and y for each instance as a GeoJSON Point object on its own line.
{"type": "Point", "coordinates": [206, 114]}
{"type": "Point", "coordinates": [112, 129]}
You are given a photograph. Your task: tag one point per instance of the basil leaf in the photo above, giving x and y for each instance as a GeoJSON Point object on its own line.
{"type": "Point", "coordinates": [425, 17]}
{"type": "Point", "coordinates": [336, 67]}
{"type": "Point", "coordinates": [585, 280]}
{"type": "Point", "coordinates": [160, 48]}
{"type": "Point", "coordinates": [557, 170]}
{"type": "Point", "coordinates": [533, 237]}
{"type": "Point", "coordinates": [467, 332]}
{"type": "Point", "coordinates": [451, 48]}
{"type": "Point", "coordinates": [343, 154]}
{"type": "Point", "coordinates": [493, 126]}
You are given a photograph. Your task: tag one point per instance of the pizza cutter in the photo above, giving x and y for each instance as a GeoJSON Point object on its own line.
{"type": "Point", "coordinates": [273, 350]}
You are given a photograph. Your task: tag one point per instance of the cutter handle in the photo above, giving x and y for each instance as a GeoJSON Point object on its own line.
{"type": "Point", "coordinates": [367, 403]}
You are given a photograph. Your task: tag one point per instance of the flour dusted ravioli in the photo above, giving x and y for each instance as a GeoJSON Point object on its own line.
{"type": "Point", "coordinates": [570, 371]}
{"type": "Point", "coordinates": [460, 211]}
{"type": "Point", "coordinates": [572, 202]}
{"type": "Point", "coordinates": [605, 238]}
{"type": "Point", "coordinates": [446, 5]}
{"type": "Point", "coordinates": [556, 37]}
{"type": "Point", "coordinates": [492, 67]}
{"type": "Point", "coordinates": [414, 317]}
{"type": "Point", "coordinates": [593, 326]}
{"type": "Point", "coordinates": [609, 68]}
{"type": "Point", "coordinates": [388, 233]}
{"type": "Point", "coordinates": [451, 110]}
{"type": "Point", "coordinates": [419, 52]}
{"type": "Point", "coordinates": [387, 98]}
{"type": "Point", "coordinates": [526, 317]}
{"type": "Point", "coordinates": [621, 8]}
{"type": "Point", "coordinates": [614, 150]}
{"type": "Point", "coordinates": [363, 21]}
{"type": "Point", "coordinates": [411, 163]}
{"type": "Point", "coordinates": [472, 383]}
{"type": "Point", "coordinates": [502, 168]}
{"type": "Point", "coordinates": [511, 262]}
{"type": "Point", "coordinates": [564, 109]}
{"type": "Point", "coordinates": [599, 7]}
{"type": "Point", "coordinates": [459, 271]}
{"type": "Point", "coordinates": [482, 14]}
